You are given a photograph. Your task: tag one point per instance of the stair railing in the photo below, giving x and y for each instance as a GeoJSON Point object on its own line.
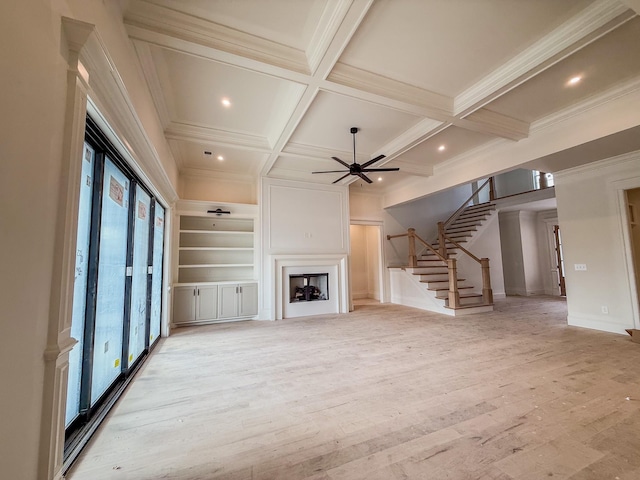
{"type": "Point", "coordinates": [442, 226]}
{"type": "Point", "coordinates": [452, 270]}
{"type": "Point", "coordinates": [443, 238]}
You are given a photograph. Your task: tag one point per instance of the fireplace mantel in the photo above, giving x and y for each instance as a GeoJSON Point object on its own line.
{"type": "Point", "coordinates": [334, 264]}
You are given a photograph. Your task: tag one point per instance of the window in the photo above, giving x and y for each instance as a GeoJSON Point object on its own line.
{"type": "Point", "coordinates": [117, 302]}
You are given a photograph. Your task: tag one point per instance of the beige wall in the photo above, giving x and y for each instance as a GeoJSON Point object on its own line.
{"type": "Point", "coordinates": [33, 65]}
{"type": "Point", "coordinates": [595, 232]}
{"type": "Point", "coordinates": [218, 190]}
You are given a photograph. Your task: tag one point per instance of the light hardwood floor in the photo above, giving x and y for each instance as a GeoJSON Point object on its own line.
{"type": "Point", "coordinates": [383, 393]}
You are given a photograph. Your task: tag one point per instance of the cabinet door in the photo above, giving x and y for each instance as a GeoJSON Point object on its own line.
{"type": "Point", "coordinates": [228, 301]}
{"type": "Point", "coordinates": [248, 299]}
{"type": "Point", "coordinates": [207, 303]}
{"type": "Point", "coordinates": [184, 304]}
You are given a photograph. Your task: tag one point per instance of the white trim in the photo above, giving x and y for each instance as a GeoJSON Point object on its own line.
{"type": "Point", "coordinates": [588, 25]}
{"type": "Point", "coordinates": [596, 323]}
{"type": "Point", "coordinates": [280, 262]}
{"type": "Point", "coordinates": [621, 186]}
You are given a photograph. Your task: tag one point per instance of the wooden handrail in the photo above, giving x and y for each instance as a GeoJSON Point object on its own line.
{"type": "Point", "coordinates": [433, 250]}
{"type": "Point", "coordinates": [463, 249]}
{"type": "Point", "coordinates": [462, 207]}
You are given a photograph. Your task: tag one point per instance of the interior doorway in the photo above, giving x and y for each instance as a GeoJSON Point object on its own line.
{"type": "Point", "coordinates": [633, 215]}
{"type": "Point", "coordinates": [366, 264]}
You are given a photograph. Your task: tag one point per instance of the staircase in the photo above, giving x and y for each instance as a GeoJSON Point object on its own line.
{"type": "Point", "coordinates": [431, 281]}
{"type": "Point", "coordinates": [433, 272]}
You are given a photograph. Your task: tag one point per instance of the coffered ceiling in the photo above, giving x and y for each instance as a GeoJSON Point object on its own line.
{"type": "Point", "coordinates": [425, 81]}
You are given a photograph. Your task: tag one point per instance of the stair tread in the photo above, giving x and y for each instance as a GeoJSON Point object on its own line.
{"type": "Point", "coordinates": [462, 295]}
{"type": "Point", "coordinates": [472, 305]}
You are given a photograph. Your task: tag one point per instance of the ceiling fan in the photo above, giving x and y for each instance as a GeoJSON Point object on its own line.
{"type": "Point", "coordinates": [356, 168]}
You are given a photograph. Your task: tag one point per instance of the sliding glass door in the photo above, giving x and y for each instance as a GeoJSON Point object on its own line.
{"type": "Point", "coordinates": [112, 273]}
{"type": "Point", "coordinates": [117, 300]}
{"type": "Point", "coordinates": [155, 308]}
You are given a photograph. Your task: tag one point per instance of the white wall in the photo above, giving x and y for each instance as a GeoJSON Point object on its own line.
{"type": "Point", "coordinates": [486, 243]}
{"type": "Point", "coordinates": [593, 222]}
{"type": "Point", "coordinates": [300, 218]}
{"type": "Point", "coordinates": [34, 67]}
{"type": "Point", "coordinates": [513, 182]}
{"type": "Point", "coordinates": [521, 252]}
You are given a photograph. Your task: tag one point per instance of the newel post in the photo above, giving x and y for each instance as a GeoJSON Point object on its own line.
{"type": "Point", "coordinates": [442, 248]}
{"type": "Point", "coordinates": [413, 260]}
{"type": "Point", "coordinates": [454, 294]}
{"type": "Point", "coordinates": [487, 293]}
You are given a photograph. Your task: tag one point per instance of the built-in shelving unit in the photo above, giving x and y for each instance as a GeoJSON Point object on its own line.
{"type": "Point", "coordinates": [214, 249]}
{"type": "Point", "coordinates": [215, 264]}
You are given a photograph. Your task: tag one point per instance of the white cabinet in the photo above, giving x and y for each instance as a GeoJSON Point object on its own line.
{"type": "Point", "coordinates": [237, 300]}
{"type": "Point", "coordinates": [195, 303]}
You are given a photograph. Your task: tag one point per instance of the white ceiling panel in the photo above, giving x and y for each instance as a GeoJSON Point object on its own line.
{"type": "Point", "coordinates": [601, 65]}
{"type": "Point", "coordinates": [328, 121]}
{"type": "Point", "coordinates": [234, 160]}
{"type": "Point", "coordinates": [447, 46]}
{"type": "Point", "coordinates": [196, 87]}
{"type": "Point", "coordinates": [455, 141]}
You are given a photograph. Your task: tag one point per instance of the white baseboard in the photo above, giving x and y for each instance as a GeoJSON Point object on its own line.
{"type": "Point", "coordinates": [597, 324]}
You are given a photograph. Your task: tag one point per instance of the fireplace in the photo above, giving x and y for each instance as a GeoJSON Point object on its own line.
{"type": "Point", "coordinates": [324, 272]}
{"type": "Point", "coordinates": [308, 287]}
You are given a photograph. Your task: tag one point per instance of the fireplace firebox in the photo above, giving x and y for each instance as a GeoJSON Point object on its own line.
{"type": "Point", "coordinates": [308, 287]}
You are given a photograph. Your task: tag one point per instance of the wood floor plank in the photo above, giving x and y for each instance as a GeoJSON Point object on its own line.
{"type": "Point", "coordinates": [384, 392]}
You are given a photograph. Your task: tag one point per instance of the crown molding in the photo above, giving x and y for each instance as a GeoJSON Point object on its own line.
{"type": "Point", "coordinates": [203, 32]}
{"type": "Point", "coordinates": [592, 102]}
{"type": "Point", "coordinates": [109, 99]}
{"type": "Point", "coordinates": [434, 105]}
{"type": "Point", "coordinates": [200, 134]}
{"type": "Point", "coordinates": [594, 21]}
{"type": "Point", "coordinates": [594, 169]}
{"type": "Point", "coordinates": [147, 64]}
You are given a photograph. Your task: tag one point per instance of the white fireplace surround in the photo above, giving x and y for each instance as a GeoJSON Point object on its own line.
{"type": "Point", "coordinates": [334, 264]}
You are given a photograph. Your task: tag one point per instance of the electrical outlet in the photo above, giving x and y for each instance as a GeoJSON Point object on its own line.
{"type": "Point", "coordinates": [582, 267]}
{"type": "Point", "coordinates": [106, 346]}
{"type": "Point", "coordinates": [605, 309]}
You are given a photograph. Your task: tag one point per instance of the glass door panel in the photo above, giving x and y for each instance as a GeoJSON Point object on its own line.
{"type": "Point", "coordinates": [112, 266]}
{"type": "Point", "coordinates": [138, 318]}
{"type": "Point", "coordinates": [156, 276]}
{"type": "Point", "coordinates": [80, 284]}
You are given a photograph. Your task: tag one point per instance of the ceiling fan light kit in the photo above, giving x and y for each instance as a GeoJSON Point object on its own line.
{"type": "Point", "coordinates": [355, 168]}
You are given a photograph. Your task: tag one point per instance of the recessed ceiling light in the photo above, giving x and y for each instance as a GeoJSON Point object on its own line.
{"type": "Point", "coordinates": [441, 148]}
{"type": "Point", "coordinates": [226, 102]}
{"type": "Point", "coordinates": [574, 80]}
{"type": "Point", "coordinates": [379, 179]}
{"type": "Point", "coordinates": [220, 157]}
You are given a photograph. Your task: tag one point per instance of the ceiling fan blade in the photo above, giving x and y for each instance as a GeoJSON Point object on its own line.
{"type": "Point", "coordinates": [332, 171]}
{"type": "Point", "coordinates": [344, 176]}
{"type": "Point", "coordinates": [372, 161]}
{"type": "Point", "coordinates": [365, 178]}
{"type": "Point", "coordinates": [340, 161]}
{"type": "Point", "coordinates": [395, 169]}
